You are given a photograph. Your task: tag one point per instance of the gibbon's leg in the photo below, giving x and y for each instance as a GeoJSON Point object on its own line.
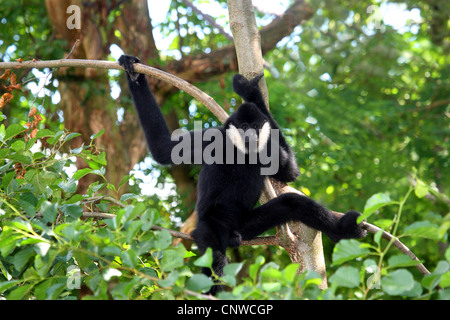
{"type": "Point", "coordinates": [208, 235]}
{"type": "Point", "coordinates": [293, 207]}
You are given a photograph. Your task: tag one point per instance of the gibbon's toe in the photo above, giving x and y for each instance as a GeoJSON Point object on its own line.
{"type": "Point", "coordinates": [347, 227]}
{"type": "Point", "coordinates": [127, 63]}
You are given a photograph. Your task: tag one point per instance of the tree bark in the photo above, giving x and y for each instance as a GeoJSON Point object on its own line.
{"type": "Point", "coordinates": [303, 244]}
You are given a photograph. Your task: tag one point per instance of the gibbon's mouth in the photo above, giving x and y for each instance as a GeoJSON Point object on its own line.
{"type": "Point", "coordinates": [243, 141]}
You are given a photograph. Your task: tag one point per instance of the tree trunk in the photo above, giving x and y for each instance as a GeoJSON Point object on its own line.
{"type": "Point", "coordinates": [303, 244]}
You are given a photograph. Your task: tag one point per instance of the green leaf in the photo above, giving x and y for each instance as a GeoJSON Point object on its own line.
{"type": "Point", "coordinates": [173, 258]}
{"type": "Point", "coordinates": [71, 136]}
{"type": "Point", "coordinates": [19, 158]}
{"type": "Point", "coordinates": [45, 133]}
{"type": "Point", "coordinates": [199, 283]}
{"type": "Point", "coordinates": [22, 257]}
{"type": "Point", "coordinates": [81, 173]}
{"type": "Point", "coordinates": [8, 284]}
{"type": "Point", "coordinates": [13, 130]}
{"type": "Point", "coordinates": [8, 241]}
{"type": "Point", "coordinates": [127, 196]}
{"type": "Point", "coordinates": [445, 280]}
{"type": "Point", "coordinates": [48, 177]}
{"type": "Point", "coordinates": [377, 237]}
{"type": "Point", "coordinates": [205, 260]}
{"type": "Point", "coordinates": [423, 229]}
{"type": "Point", "coordinates": [98, 134]}
{"type": "Point", "coordinates": [290, 272]}
{"type": "Point", "coordinates": [55, 138]}
{"type": "Point", "coordinates": [129, 258]}
{"type": "Point", "coordinates": [48, 211]}
{"type": "Point", "coordinates": [432, 280]}
{"type": "Point", "coordinates": [149, 218]}
{"type": "Point", "coordinates": [69, 186]}
{"type": "Point", "coordinates": [83, 259]}
{"type": "Point", "coordinates": [30, 143]}
{"type": "Point", "coordinates": [20, 292]}
{"type": "Point", "coordinates": [4, 153]}
{"type": "Point", "coordinates": [421, 189]}
{"type": "Point", "coordinates": [74, 211]}
{"type": "Point", "coordinates": [55, 290]}
{"type": "Point", "coordinates": [375, 202]}
{"type": "Point", "coordinates": [101, 158]}
{"type": "Point", "coordinates": [41, 289]}
{"type": "Point", "coordinates": [169, 280]}
{"type": "Point", "coordinates": [401, 260]}
{"type": "Point", "coordinates": [2, 132]}
{"type": "Point", "coordinates": [233, 269]}
{"type": "Point", "coordinates": [270, 271]}
{"type": "Point", "coordinates": [6, 180]}
{"type": "Point", "coordinates": [346, 250]}
{"type": "Point", "coordinates": [18, 145]}
{"type": "Point", "coordinates": [22, 225]}
{"type": "Point", "coordinates": [271, 286]}
{"type": "Point", "coordinates": [397, 282]}
{"type": "Point", "coordinates": [254, 267]}
{"type": "Point", "coordinates": [347, 277]}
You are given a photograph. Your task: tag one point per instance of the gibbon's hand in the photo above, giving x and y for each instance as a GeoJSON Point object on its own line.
{"type": "Point", "coordinates": [127, 63]}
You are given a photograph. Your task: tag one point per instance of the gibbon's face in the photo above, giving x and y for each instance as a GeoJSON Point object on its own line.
{"type": "Point", "coordinates": [248, 129]}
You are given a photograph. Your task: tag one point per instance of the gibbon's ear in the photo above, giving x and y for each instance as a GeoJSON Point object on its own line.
{"type": "Point", "coordinates": [247, 89]}
{"type": "Point", "coordinates": [264, 134]}
{"type": "Point", "coordinates": [236, 138]}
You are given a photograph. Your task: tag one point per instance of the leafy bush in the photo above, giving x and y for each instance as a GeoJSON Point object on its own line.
{"type": "Point", "coordinates": [54, 246]}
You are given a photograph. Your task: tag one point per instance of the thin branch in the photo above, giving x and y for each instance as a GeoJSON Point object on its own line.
{"type": "Point", "coordinates": [395, 241]}
{"type": "Point", "coordinates": [99, 215]}
{"type": "Point", "coordinates": [208, 18]}
{"type": "Point", "coordinates": [273, 240]}
{"type": "Point", "coordinates": [107, 198]}
{"type": "Point", "coordinates": [181, 84]}
{"type": "Point", "coordinates": [73, 48]}
{"type": "Point", "coordinates": [212, 106]}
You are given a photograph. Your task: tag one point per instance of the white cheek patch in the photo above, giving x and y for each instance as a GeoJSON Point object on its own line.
{"type": "Point", "coordinates": [236, 138]}
{"type": "Point", "coordinates": [264, 135]}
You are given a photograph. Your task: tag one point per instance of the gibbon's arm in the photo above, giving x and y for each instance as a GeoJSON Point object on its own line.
{"type": "Point", "coordinates": [152, 121]}
{"type": "Point", "coordinates": [250, 92]}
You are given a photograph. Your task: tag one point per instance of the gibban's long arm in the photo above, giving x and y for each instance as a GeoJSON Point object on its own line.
{"type": "Point", "coordinates": [156, 132]}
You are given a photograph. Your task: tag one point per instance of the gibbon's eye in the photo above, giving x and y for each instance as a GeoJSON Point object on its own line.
{"type": "Point", "coordinates": [244, 126]}
{"type": "Point", "coordinates": [255, 126]}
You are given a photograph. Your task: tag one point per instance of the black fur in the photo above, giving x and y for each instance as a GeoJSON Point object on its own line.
{"type": "Point", "coordinates": [228, 193]}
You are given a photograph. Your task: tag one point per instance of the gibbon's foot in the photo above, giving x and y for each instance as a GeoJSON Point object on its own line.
{"type": "Point", "coordinates": [246, 88]}
{"type": "Point", "coordinates": [127, 62]}
{"type": "Point", "coordinates": [235, 239]}
{"type": "Point", "coordinates": [215, 289]}
{"type": "Point", "coordinates": [347, 228]}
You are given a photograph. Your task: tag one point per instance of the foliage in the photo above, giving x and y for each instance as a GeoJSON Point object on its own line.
{"type": "Point", "coordinates": [50, 249]}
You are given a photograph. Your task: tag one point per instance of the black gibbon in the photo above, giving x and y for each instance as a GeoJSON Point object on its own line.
{"type": "Point", "coordinates": [235, 159]}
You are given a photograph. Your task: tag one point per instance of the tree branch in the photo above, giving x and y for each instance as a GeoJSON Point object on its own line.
{"type": "Point", "coordinates": [181, 84]}
{"type": "Point", "coordinates": [213, 106]}
{"type": "Point", "coordinates": [208, 18]}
